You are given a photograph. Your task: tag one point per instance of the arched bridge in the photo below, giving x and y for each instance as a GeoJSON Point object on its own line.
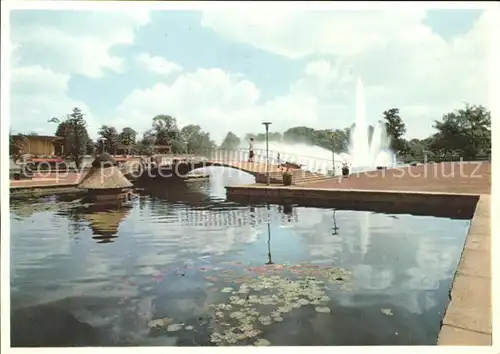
{"type": "Point", "coordinates": [179, 167]}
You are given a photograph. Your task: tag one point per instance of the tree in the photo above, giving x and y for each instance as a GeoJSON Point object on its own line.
{"type": "Point", "coordinates": [111, 139]}
{"type": "Point", "coordinates": [196, 140]}
{"type": "Point", "coordinates": [16, 144]}
{"type": "Point", "coordinates": [127, 137]}
{"type": "Point", "coordinates": [395, 129]}
{"type": "Point", "coordinates": [73, 128]}
{"type": "Point", "coordinates": [328, 139]}
{"type": "Point", "coordinates": [167, 132]}
{"type": "Point", "coordinates": [300, 134]}
{"type": "Point", "coordinates": [230, 142]}
{"type": "Point", "coordinates": [466, 131]}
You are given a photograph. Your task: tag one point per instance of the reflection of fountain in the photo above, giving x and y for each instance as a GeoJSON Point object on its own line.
{"type": "Point", "coordinates": [366, 154]}
{"type": "Point", "coordinates": [365, 237]}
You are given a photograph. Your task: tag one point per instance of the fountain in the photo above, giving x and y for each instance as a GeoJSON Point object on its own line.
{"type": "Point", "coordinates": [363, 153]}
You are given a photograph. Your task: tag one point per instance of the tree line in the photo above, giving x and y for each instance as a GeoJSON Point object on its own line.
{"type": "Point", "coordinates": [465, 132]}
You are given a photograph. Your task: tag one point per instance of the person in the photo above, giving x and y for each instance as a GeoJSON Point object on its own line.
{"type": "Point", "coordinates": [251, 154]}
{"type": "Point", "coordinates": [345, 170]}
{"type": "Point", "coordinates": [278, 159]}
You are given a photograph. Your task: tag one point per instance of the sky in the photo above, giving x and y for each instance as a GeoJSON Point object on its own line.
{"type": "Point", "coordinates": [230, 70]}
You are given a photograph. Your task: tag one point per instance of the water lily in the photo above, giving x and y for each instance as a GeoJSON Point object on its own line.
{"type": "Point", "coordinates": [262, 342]}
{"type": "Point", "coordinates": [237, 315]}
{"type": "Point", "coordinates": [160, 322]}
{"type": "Point", "coordinates": [174, 327]}
{"type": "Point", "coordinates": [322, 309]}
{"type": "Point", "coordinates": [387, 312]}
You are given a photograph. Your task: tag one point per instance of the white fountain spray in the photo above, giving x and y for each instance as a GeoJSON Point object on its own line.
{"type": "Point", "coordinates": [363, 154]}
{"type": "Point", "coordinates": [359, 148]}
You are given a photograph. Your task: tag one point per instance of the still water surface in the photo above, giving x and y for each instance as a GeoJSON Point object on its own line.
{"type": "Point", "coordinates": [182, 268]}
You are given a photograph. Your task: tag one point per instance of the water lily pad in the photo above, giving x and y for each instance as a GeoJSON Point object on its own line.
{"type": "Point", "coordinates": [244, 290]}
{"type": "Point", "coordinates": [237, 315]}
{"type": "Point", "coordinates": [262, 342]}
{"type": "Point", "coordinates": [322, 309]}
{"type": "Point", "coordinates": [265, 320]}
{"type": "Point", "coordinates": [303, 301]}
{"type": "Point", "coordinates": [387, 312]}
{"type": "Point", "coordinates": [174, 327]}
{"type": "Point", "coordinates": [160, 322]}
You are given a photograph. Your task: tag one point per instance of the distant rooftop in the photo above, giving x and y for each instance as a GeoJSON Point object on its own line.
{"type": "Point", "coordinates": [41, 137]}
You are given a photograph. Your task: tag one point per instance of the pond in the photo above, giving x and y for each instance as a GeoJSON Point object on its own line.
{"type": "Point", "coordinates": [180, 267]}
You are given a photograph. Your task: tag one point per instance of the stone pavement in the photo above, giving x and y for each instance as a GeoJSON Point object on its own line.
{"type": "Point", "coordinates": [473, 177]}
{"type": "Point", "coordinates": [47, 181]}
{"type": "Point", "coordinates": [467, 320]}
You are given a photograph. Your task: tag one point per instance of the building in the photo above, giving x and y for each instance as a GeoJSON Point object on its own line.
{"type": "Point", "coordinates": [162, 149]}
{"type": "Point", "coordinates": [105, 183]}
{"type": "Point", "coordinates": [39, 145]}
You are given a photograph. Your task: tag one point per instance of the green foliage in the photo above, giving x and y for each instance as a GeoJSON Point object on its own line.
{"type": "Point", "coordinates": [395, 130]}
{"type": "Point", "coordinates": [127, 138]}
{"type": "Point", "coordinates": [230, 142]}
{"type": "Point", "coordinates": [109, 138]}
{"type": "Point", "coordinates": [195, 140]}
{"type": "Point", "coordinates": [16, 143]}
{"type": "Point", "coordinates": [466, 131]}
{"type": "Point", "coordinates": [73, 128]}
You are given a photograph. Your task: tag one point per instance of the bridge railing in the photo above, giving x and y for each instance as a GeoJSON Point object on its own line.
{"type": "Point", "coordinates": [309, 163]}
{"type": "Point", "coordinates": [231, 218]}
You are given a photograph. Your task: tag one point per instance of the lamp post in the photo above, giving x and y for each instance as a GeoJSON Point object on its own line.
{"type": "Point", "coordinates": [267, 124]}
{"type": "Point", "coordinates": [103, 141]}
{"type": "Point", "coordinates": [333, 151]}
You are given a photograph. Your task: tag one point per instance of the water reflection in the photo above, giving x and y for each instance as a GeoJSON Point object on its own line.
{"type": "Point", "coordinates": [171, 253]}
{"type": "Point", "coordinates": [105, 223]}
{"type": "Point", "coordinates": [269, 256]}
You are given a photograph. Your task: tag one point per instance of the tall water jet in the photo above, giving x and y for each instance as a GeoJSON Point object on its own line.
{"type": "Point", "coordinates": [359, 148]}
{"type": "Point", "coordinates": [366, 154]}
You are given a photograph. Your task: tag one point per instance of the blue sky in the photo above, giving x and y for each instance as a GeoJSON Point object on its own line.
{"type": "Point", "coordinates": [230, 71]}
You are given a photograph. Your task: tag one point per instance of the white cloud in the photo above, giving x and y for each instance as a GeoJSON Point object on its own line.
{"type": "Point", "coordinates": [38, 94]}
{"type": "Point", "coordinates": [403, 63]}
{"type": "Point", "coordinates": [209, 97]}
{"type": "Point", "coordinates": [157, 65]}
{"type": "Point", "coordinates": [80, 45]}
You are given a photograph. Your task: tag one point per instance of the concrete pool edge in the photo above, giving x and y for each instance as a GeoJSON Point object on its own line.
{"type": "Point", "coordinates": [467, 319]}
{"type": "Point", "coordinates": [390, 202]}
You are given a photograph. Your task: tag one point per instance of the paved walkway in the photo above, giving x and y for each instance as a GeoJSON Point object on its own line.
{"type": "Point", "coordinates": [49, 180]}
{"type": "Point", "coordinates": [474, 177]}
{"type": "Point", "coordinates": [467, 320]}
